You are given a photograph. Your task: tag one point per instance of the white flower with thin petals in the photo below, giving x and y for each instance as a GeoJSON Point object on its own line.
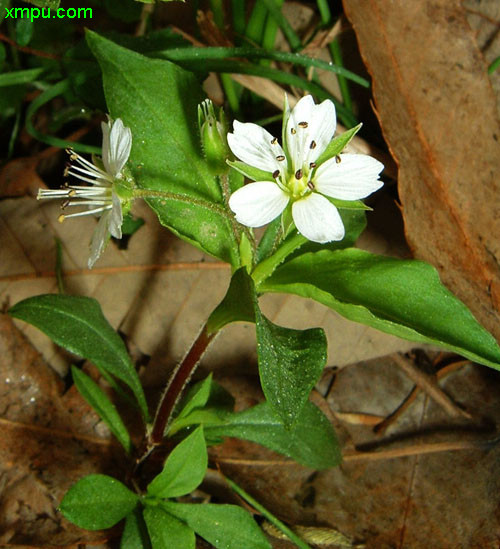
{"type": "Point", "coordinates": [109, 189]}
{"type": "Point", "coordinates": [297, 177]}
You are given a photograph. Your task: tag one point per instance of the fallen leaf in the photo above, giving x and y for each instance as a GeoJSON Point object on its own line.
{"type": "Point", "coordinates": [49, 441]}
{"type": "Point", "coordinates": [439, 117]}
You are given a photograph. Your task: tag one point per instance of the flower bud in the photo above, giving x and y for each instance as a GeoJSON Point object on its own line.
{"type": "Point", "coordinates": [213, 137]}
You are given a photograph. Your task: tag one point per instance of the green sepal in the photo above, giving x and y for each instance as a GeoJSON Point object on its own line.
{"type": "Point", "coordinates": [255, 174]}
{"type": "Point", "coordinates": [337, 145]}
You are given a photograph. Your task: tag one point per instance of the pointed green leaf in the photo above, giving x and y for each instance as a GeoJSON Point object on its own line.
{"type": "Point", "coordinates": [400, 297]}
{"type": "Point", "coordinates": [78, 325]}
{"type": "Point", "coordinates": [237, 304]}
{"type": "Point", "coordinates": [166, 151]}
{"type": "Point", "coordinates": [196, 397]}
{"type": "Point", "coordinates": [167, 532]}
{"type": "Point", "coordinates": [312, 441]}
{"type": "Point", "coordinates": [224, 526]}
{"type": "Point", "coordinates": [290, 364]}
{"type": "Point", "coordinates": [96, 397]}
{"type": "Point", "coordinates": [97, 502]}
{"type": "Point", "coordinates": [214, 411]}
{"type": "Point", "coordinates": [184, 469]}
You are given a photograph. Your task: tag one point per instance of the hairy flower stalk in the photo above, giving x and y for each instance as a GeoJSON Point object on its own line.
{"type": "Point", "coordinates": [294, 175]}
{"type": "Point", "coordinates": [109, 188]}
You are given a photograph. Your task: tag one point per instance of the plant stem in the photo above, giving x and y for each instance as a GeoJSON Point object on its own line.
{"type": "Point", "coordinates": [292, 536]}
{"type": "Point", "coordinates": [178, 381]}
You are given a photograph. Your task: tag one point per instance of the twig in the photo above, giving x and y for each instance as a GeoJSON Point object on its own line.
{"type": "Point", "coordinates": [428, 384]}
{"type": "Point", "coordinates": [26, 49]}
{"type": "Point", "coordinates": [355, 456]}
{"type": "Point", "coordinates": [381, 427]}
{"type": "Point", "coordinates": [419, 449]}
{"type": "Point", "coordinates": [180, 266]}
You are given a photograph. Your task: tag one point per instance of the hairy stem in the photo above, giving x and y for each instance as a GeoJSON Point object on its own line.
{"type": "Point", "coordinates": [178, 381]}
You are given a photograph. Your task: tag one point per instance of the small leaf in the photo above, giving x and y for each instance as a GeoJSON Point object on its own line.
{"type": "Point", "coordinates": [224, 526]}
{"type": "Point", "coordinates": [219, 404]}
{"type": "Point", "coordinates": [96, 397]}
{"type": "Point", "coordinates": [24, 31]}
{"type": "Point", "coordinates": [237, 304]}
{"type": "Point", "coordinates": [337, 145]}
{"type": "Point", "coordinates": [401, 297]}
{"type": "Point", "coordinates": [78, 325]}
{"type": "Point", "coordinates": [135, 534]}
{"type": "Point", "coordinates": [131, 224]}
{"type": "Point", "coordinates": [290, 364]}
{"type": "Point", "coordinates": [167, 532]}
{"type": "Point", "coordinates": [268, 240]}
{"type": "Point", "coordinates": [312, 442]}
{"type": "Point", "coordinates": [97, 502]}
{"type": "Point", "coordinates": [184, 469]}
{"type": "Point", "coordinates": [196, 397]}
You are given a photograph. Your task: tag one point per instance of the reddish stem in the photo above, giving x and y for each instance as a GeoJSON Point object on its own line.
{"type": "Point", "coordinates": [177, 382]}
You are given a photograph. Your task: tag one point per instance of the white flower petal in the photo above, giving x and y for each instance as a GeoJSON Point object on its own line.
{"type": "Point", "coordinates": [106, 128]}
{"type": "Point", "coordinates": [258, 203]}
{"type": "Point", "coordinates": [116, 146]}
{"type": "Point", "coordinates": [116, 218]}
{"type": "Point", "coordinates": [99, 238]}
{"type": "Point", "coordinates": [310, 128]}
{"type": "Point", "coordinates": [354, 177]}
{"type": "Point", "coordinates": [317, 219]}
{"type": "Point", "coordinates": [254, 146]}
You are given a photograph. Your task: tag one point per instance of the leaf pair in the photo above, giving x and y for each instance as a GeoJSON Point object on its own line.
{"type": "Point", "coordinates": [99, 501]}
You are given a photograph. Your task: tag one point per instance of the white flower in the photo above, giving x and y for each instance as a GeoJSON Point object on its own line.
{"type": "Point", "coordinates": [104, 196]}
{"type": "Point", "coordinates": [297, 178]}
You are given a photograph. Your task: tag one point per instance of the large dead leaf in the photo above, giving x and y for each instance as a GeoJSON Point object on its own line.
{"type": "Point", "coordinates": [49, 441]}
{"type": "Point", "coordinates": [438, 113]}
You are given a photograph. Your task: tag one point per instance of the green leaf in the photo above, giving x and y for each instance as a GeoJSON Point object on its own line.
{"type": "Point", "coordinates": [214, 411]}
{"type": "Point", "coordinates": [224, 526]}
{"type": "Point", "coordinates": [19, 77]}
{"type": "Point", "coordinates": [196, 397]}
{"type": "Point", "coordinates": [53, 4]}
{"type": "Point", "coordinates": [166, 152]}
{"type": "Point", "coordinates": [131, 224]}
{"type": "Point", "coordinates": [337, 145]}
{"type": "Point", "coordinates": [268, 240]}
{"type": "Point", "coordinates": [237, 305]}
{"type": "Point", "coordinates": [290, 364]}
{"type": "Point", "coordinates": [97, 502]}
{"type": "Point", "coordinates": [78, 325]}
{"type": "Point", "coordinates": [24, 31]}
{"type": "Point", "coordinates": [184, 469]}
{"type": "Point", "coordinates": [400, 297]}
{"type": "Point", "coordinates": [135, 534]}
{"type": "Point", "coordinates": [96, 397]}
{"type": "Point", "coordinates": [312, 441]}
{"type": "Point", "coordinates": [166, 531]}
